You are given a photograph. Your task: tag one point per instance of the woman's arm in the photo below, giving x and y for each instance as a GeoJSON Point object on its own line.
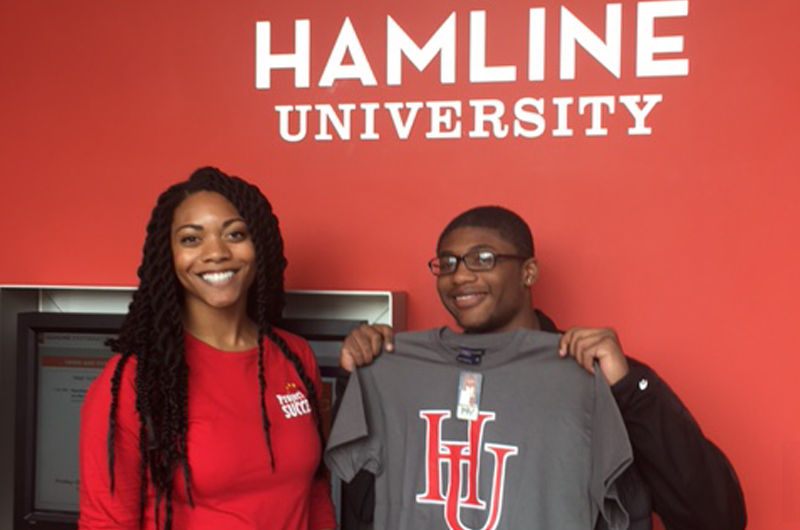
{"type": "Point", "coordinates": [102, 509]}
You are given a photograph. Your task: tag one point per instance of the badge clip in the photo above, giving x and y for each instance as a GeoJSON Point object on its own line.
{"type": "Point", "coordinates": [469, 396]}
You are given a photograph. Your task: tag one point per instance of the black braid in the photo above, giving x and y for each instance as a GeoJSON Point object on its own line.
{"type": "Point", "coordinates": [153, 333]}
{"type": "Point", "coordinates": [262, 383]}
{"type": "Point", "coordinates": [112, 419]}
{"type": "Point", "coordinates": [311, 389]}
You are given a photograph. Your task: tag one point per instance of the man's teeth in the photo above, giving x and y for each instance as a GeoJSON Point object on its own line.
{"type": "Point", "coordinates": [467, 296]}
{"type": "Point", "coordinates": [217, 277]}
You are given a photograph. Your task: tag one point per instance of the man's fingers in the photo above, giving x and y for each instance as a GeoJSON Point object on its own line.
{"type": "Point", "coordinates": [346, 360]}
{"type": "Point", "coordinates": [568, 340]}
{"type": "Point", "coordinates": [582, 344]}
{"type": "Point", "coordinates": [572, 339]}
{"type": "Point", "coordinates": [580, 337]}
{"type": "Point", "coordinates": [388, 336]}
{"type": "Point", "coordinates": [563, 344]}
{"type": "Point", "coordinates": [587, 347]}
{"type": "Point", "coordinates": [375, 343]}
{"type": "Point", "coordinates": [363, 344]}
{"type": "Point", "coordinates": [383, 337]}
{"type": "Point", "coordinates": [368, 343]}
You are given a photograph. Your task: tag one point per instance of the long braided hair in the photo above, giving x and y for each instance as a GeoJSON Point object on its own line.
{"type": "Point", "coordinates": [153, 333]}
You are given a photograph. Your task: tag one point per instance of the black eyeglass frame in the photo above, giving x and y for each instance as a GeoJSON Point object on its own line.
{"type": "Point", "coordinates": [433, 265]}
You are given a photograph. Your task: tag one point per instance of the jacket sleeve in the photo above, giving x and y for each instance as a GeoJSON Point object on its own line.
{"type": "Point", "coordinates": [692, 483]}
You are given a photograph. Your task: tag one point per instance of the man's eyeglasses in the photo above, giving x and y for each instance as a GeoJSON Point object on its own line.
{"type": "Point", "coordinates": [476, 261]}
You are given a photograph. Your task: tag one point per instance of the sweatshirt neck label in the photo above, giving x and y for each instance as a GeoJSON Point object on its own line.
{"type": "Point", "coordinates": [470, 356]}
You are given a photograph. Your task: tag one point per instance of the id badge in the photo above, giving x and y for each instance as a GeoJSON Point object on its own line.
{"type": "Point", "coordinates": [469, 396]}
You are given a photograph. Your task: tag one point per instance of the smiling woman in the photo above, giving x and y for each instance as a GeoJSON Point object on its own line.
{"type": "Point", "coordinates": [185, 427]}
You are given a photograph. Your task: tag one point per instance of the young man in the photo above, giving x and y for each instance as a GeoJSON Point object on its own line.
{"type": "Point", "coordinates": [484, 269]}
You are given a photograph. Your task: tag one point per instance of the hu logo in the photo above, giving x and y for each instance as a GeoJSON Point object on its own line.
{"type": "Point", "coordinates": [462, 461]}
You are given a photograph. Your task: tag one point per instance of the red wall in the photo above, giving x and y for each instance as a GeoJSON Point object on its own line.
{"type": "Point", "coordinates": [684, 239]}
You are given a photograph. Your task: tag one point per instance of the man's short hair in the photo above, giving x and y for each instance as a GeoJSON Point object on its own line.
{"type": "Point", "coordinates": [509, 225]}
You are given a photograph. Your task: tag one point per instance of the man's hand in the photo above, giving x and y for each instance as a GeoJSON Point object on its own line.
{"type": "Point", "coordinates": [585, 345]}
{"type": "Point", "coordinates": [364, 343]}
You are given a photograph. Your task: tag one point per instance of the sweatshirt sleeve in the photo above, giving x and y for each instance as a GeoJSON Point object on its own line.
{"type": "Point", "coordinates": [358, 495]}
{"type": "Point", "coordinates": [100, 509]}
{"type": "Point", "coordinates": [692, 483]}
{"type": "Point", "coordinates": [356, 439]}
{"type": "Point", "coordinates": [611, 456]}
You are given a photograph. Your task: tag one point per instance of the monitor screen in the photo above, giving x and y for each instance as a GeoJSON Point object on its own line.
{"type": "Point", "coordinates": [67, 363]}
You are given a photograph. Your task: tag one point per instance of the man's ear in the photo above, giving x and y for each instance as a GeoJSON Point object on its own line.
{"type": "Point", "coordinates": [530, 272]}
